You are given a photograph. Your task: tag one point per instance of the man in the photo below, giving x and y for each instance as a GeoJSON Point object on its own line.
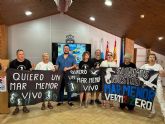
{"type": "Point", "coordinates": [65, 62]}
{"type": "Point", "coordinates": [45, 65]}
{"type": "Point", "coordinates": [127, 63]}
{"type": "Point", "coordinates": [96, 64]}
{"type": "Point", "coordinates": [152, 65]}
{"type": "Point", "coordinates": [20, 63]}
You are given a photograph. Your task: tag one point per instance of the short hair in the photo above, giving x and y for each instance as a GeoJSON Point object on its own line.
{"type": "Point", "coordinates": [83, 55]}
{"type": "Point", "coordinates": [152, 54]}
{"type": "Point", "coordinates": [97, 50]}
{"type": "Point", "coordinates": [45, 54]}
{"type": "Point", "coordinates": [66, 45]}
{"type": "Point", "coordinates": [128, 56]}
{"type": "Point", "coordinates": [110, 53]}
{"type": "Point", "coordinates": [19, 51]}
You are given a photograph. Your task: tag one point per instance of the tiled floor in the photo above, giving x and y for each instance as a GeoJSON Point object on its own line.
{"type": "Point", "coordinates": [75, 115]}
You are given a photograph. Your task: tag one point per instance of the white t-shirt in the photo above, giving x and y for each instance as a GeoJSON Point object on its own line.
{"type": "Point", "coordinates": [155, 67]}
{"type": "Point", "coordinates": [44, 66]}
{"type": "Point", "coordinates": [108, 64]}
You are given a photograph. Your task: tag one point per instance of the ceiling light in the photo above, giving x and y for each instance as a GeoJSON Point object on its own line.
{"type": "Point", "coordinates": [142, 16]}
{"type": "Point", "coordinates": [92, 18]}
{"type": "Point", "coordinates": [108, 2]}
{"type": "Point", "coordinates": [160, 38]}
{"type": "Point", "coordinates": [28, 13]}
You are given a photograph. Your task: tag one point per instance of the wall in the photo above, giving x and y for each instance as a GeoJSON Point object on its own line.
{"type": "Point", "coordinates": [36, 36]}
{"type": "Point", "coordinates": [129, 47]}
{"type": "Point", "coordinates": [3, 42]}
{"type": "Point", "coordinates": [141, 55]}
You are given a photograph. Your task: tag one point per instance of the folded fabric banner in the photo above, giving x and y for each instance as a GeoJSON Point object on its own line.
{"type": "Point", "coordinates": [131, 86]}
{"type": "Point", "coordinates": [83, 80]}
{"type": "Point", "coordinates": [32, 87]}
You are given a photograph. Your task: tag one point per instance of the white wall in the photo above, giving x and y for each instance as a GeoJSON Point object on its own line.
{"type": "Point", "coordinates": [141, 55]}
{"type": "Point", "coordinates": [35, 37]}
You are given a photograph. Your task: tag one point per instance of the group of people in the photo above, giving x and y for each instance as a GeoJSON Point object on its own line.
{"type": "Point", "coordinates": [66, 62]}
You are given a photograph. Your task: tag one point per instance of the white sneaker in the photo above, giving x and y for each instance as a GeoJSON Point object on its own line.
{"type": "Point", "coordinates": [151, 115]}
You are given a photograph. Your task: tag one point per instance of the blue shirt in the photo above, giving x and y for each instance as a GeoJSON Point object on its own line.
{"type": "Point", "coordinates": [68, 62]}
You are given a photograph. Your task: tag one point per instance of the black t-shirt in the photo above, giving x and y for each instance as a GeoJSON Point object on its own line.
{"type": "Point", "coordinates": [132, 65]}
{"type": "Point", "coordinates": [85, 65]}
{"type": "Point", "coordinates": [96, 62]}
{"type": "Point", "coordinates": [25, 65]}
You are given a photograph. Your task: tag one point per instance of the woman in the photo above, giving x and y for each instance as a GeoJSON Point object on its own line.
{"type": "Point", "coordinates": [152, 65]}
{"type": "Point", "coordinates": [85, 64]}
{"type": "Point", "coordinates": [45, 65]}
{"type": "Point", "coordinates": [127, 64]}
{"type": "Point", "coordinates": [108, 63]}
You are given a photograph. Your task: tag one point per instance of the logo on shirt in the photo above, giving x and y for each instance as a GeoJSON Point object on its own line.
{"type": "Point", "coordinates": [97, 65]}
{"type": "Point", "coordinates": [85, 66]}
{"type": "Point", "coordinates": [21, 67]}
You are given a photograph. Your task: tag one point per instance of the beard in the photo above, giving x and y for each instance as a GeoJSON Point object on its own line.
{"type": "Point", "coordinates": [66, 52]}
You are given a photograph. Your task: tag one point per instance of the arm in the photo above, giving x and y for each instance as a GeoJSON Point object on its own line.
{"type": "Point", "coordinates": [37, 67]}
{"type": "Point", "coordinates": [162, 73]}
{"type": "Point", "coordinates": [30, 66]}
{"type": "Point", "coordinates": [71, 67]}
{"type": "Point", "coordinates": [80, 65]}
{"type": "Point", "coordinates": [102, 63]}
{"type": "Point", "coordinates": [52, 66]}
{"type": "Point", "coordinates": [142, 67]}
{"type": "Point", "coordinates": [57, 64]}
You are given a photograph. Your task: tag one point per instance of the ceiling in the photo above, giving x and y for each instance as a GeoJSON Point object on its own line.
{"type": "Point", "coordinates": [121, 19]}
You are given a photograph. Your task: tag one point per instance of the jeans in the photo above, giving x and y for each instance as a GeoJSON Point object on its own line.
{"type": "Point", "coordinates": [64, 83]}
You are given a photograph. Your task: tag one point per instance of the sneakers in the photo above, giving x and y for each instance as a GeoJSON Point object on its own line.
{"type": "Point", "coordinates": [151, 115]}
{"type": "Point", "coordinates": [58, 104]}
{"type": "Point", "coordinates": [25, 109]}
{"type": "Point", "coordinates": [50, 105]}
{"type": "Point", "coordinates": [16, 111]}
{"type": "Point", "coordinates": [70, 103]}
{"type": "Point", "coordinates": [43, 107]}
{"type": "Point", "coordinates": [97, 101]}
